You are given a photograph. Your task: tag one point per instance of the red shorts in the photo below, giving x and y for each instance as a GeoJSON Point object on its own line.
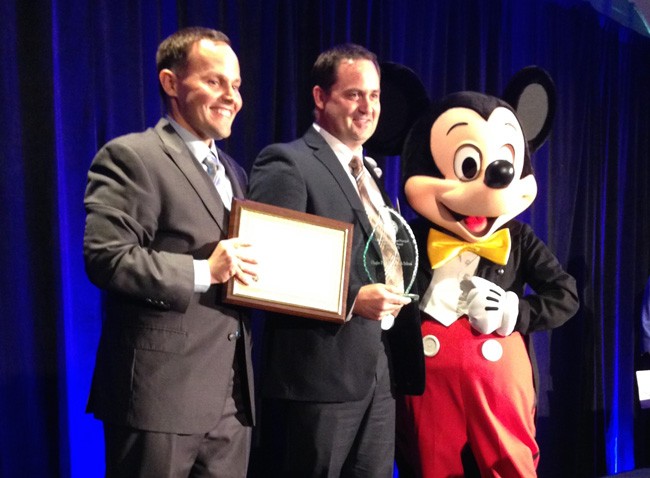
{"type": "Point", "coordinates": [479, 391]}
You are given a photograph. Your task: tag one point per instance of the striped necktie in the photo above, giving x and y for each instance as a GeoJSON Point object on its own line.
{"type": "Point", "coordinates": [390, 255]}
{"type": "Point", "coordinates": [217, 173]}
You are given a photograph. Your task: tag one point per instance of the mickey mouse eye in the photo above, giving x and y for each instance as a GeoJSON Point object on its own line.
{"type": "Point", "coordinates": [467, 163]}
{"type": "Point", "coordinates": [507, 153]}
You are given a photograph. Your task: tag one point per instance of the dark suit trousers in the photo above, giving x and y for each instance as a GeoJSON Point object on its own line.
{"type": "Point", "coordinates": [346, 439]}
{"type": "Point", "coordinates": [223, 452]}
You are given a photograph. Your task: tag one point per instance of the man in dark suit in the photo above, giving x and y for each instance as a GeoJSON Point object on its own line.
{"type": "Point", "coordinates": [328, 386]}
{"type": "Point", "coordinates": [173, 379]}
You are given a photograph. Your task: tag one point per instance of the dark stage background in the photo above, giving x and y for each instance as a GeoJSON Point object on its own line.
{"type": "Point", "coordinates": [77, 73]}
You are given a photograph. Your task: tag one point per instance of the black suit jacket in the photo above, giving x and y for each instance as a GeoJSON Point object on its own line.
{"type": "Point", "coordinates": [312, 360]}
{"type": "Point", "coordinates": [166, 353]}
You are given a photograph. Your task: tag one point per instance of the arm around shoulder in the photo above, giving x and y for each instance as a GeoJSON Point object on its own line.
{"type": "Point", "coordinates": [276, 179]}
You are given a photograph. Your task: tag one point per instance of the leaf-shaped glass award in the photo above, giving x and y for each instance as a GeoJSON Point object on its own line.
{"type": "Point", "coordinates": [391, 251]}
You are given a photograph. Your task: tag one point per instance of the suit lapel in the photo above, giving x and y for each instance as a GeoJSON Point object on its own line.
{"type": "Point", "coordinates": [325, 155]}
{"type": "Point", "coordinates": [198, 179]}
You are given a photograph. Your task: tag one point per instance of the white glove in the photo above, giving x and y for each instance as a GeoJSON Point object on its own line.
{"type": "Point", "coordinates": [490, 308]}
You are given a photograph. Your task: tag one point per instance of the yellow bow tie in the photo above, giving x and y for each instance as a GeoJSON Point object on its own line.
{"type": "Point", "coordinates": [441, 248]}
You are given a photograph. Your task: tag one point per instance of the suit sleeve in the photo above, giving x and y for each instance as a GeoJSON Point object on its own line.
{"type": "Point", "coordinates": [555, 297]}
{"type": "Point", "coordinates": [122, 210]}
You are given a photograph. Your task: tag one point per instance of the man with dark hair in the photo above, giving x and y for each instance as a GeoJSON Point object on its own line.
{"type": "Point", "coordinates": [327, 387]}
{"type": "Point", "coordinates": [173, 378]}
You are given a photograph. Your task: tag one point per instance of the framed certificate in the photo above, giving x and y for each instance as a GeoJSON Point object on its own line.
{"type": "Point", "coordinates": [303, 261]}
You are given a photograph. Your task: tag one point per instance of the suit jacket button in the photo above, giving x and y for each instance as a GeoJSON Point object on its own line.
{"type": "Point", "coordinates": [233, 336]}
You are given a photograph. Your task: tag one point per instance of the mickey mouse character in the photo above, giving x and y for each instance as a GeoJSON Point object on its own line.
{"type": "Point", "coordinates": [468, 173]}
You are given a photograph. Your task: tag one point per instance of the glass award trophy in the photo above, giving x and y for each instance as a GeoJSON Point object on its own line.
{"type": "Point", "coordinates": [391, 250]}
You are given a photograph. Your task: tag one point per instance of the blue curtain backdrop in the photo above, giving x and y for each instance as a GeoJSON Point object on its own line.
{"type": "Point", "coordinates": [78, 73]}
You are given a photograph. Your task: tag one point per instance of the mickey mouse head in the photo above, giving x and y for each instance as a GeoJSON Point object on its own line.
{"type": "Point", "coordinates": [466, 160]}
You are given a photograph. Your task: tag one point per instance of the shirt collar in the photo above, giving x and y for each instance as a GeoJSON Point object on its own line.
{"type": "Point", "coordinates": [341, 151]}
{"type": "Point", "coordinates": [197, 147]}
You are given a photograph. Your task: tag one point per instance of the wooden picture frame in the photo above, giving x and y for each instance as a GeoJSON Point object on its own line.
{"type": "Point", "coordinates": [303, 261]}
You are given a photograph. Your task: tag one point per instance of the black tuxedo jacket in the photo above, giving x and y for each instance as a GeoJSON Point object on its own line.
{"type": "Point", "coordinates": [166, 353]}
{"type": "Point", "coordinates": [531, 263]}
{"type": "Point", "coordinates": [312, 360]}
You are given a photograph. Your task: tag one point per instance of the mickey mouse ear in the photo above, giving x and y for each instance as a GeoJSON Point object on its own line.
{"type": "Point", "coordinates": [403, 100]}
{"type": "Point", "coordinates": [531, 92]}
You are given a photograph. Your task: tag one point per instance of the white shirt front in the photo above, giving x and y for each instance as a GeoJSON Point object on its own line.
{"type": "Point", "coordinates": [445, 300]}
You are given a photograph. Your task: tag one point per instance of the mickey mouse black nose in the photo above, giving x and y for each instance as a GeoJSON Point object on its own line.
{"type": "Point", "coordinates": [499, 174]}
